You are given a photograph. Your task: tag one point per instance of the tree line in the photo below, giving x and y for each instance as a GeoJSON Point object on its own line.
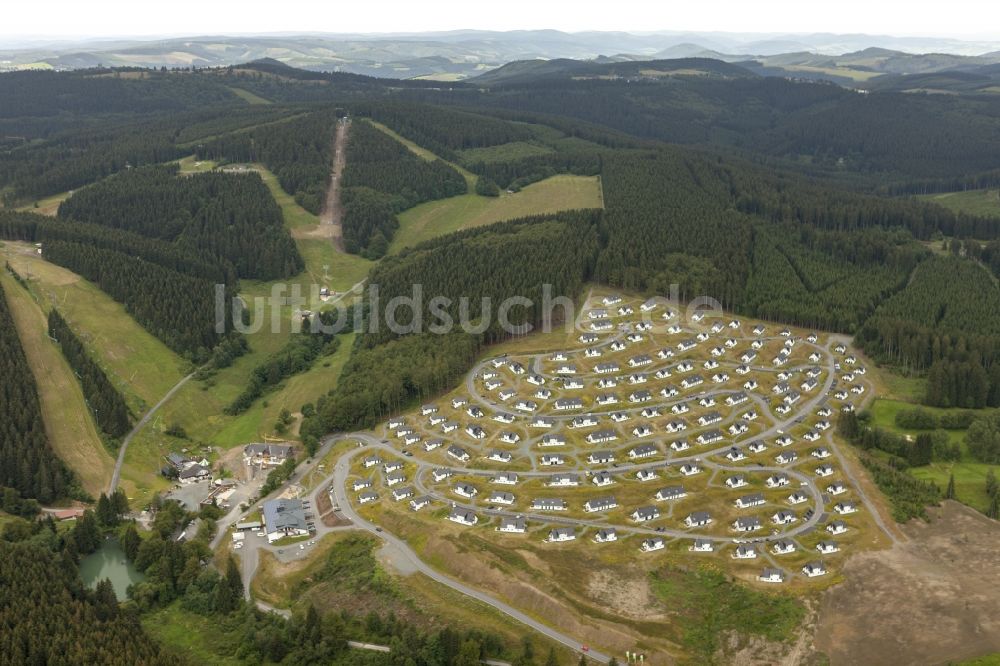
{"type": "Point", "coordinates": [31, 467]}
{"type": "Point", "coordinates": [297, 150]}
{"type": "Point", "coordinates": [383, 177]}
{"type": "Point", "coordinates": [103, 398]}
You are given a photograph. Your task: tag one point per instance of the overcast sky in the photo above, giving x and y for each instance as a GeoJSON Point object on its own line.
{"type": "Point", "coordinates": [101, 18]}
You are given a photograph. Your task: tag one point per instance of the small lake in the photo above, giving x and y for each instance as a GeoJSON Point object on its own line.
{"type": "Point", "coordinates": [109, 562]}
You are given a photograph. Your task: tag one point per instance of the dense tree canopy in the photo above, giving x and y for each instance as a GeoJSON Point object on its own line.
{"type": "Point", "coordinates": [31, 467]}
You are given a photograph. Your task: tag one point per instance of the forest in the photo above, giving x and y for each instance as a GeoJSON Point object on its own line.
{"type": "Point", "coordinates": [785, 200]}
{"type": "Point", "coordinates": [105, 401]}
{"type": "Point", "coordinates": [383, 177]}
{"type": "Point", "coordinates": [231, 217]}
{"type": "Point", "coordinates": [297, 149]}
{"type": "Point", "coordinates": [31, 469]}
{"type": "Point", "coordinates": [946, 321]}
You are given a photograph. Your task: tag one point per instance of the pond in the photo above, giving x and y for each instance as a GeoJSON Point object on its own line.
{"type": "Point", "coordinates": [109, 562]}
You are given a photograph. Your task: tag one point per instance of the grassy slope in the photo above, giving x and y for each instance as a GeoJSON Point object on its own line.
{"type": "Point", "coordinates": [974, 202]}
{"type": "Point", "coordinates": [248, 96]}
{"type": "Point", "coordinates": [68, 422]}
{"type": "Point", "coordinates": [198, 406]}
{"type": "Point", "coordinates": [141, 366]}
{"type": "Point", "coordinates": [194, 637]}
{"type": "Point", "coordinates": [413, 594]}
{"type": "Point", "coordinates": [47, 206]}
{"type": "Point", "coordinates": [324, 263]}
{"type": "Point", "coordinates": [436, 218]}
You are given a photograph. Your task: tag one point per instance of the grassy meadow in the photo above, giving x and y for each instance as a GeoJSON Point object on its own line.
{"type": "Point", "coordinates": [68, 422]}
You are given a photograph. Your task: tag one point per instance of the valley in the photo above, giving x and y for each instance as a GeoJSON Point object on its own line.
{"type": "Point", "coordinates": [654, 360]}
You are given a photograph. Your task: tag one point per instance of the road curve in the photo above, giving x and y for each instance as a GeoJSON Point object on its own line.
{"type": "Point", "coordinates": [116, 475]}
{"type": "Point", "coordinates": [341, 499]}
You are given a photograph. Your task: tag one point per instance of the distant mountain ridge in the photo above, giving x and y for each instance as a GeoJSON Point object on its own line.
{"type": "Point", "coordinates": [465, 54]}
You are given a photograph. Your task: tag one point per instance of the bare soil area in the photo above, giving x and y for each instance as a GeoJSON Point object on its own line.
{"type": "Point", "coordinates": [933, 599]}
{"type": "Point", "coordinates": [332, 215]}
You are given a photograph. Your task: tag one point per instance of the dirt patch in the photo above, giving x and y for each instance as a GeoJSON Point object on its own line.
{"type": "Point", "coordinates": [232, 461]}
{"type": "Point", "coordinates": [628, 597]}
{"type": "Point", "coordinates": [933, 599]}
{"type": "Point", "coordinates": [332, 216]}
{"type": "Point", "coordinates": [324, 508]}
{"type": "Point", "coordinates": [537, 594]}
{"type": "Point", "coordinates": [740, 650]}
{"type": "Point", "coordinates": [321, 231]}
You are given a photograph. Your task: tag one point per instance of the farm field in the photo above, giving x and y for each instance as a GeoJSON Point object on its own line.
{"type": "Point", "coordinates": [68, 422]}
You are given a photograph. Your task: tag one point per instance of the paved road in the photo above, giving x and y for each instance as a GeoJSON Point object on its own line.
{"type": "Point", "coordinates": [341, 499]}
{"type": "Point", "coordinates": [116, 475]}
{"type": "Point", "coordinates": [400, 552]}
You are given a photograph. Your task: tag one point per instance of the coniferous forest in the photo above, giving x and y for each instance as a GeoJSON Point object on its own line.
{"type": "Point", "coordinates": [786, 200]}
{"type": "Point", "coordinates": [31, 467]}
{"type": "Point", "coordinates": [382, 178]}
{"type": "Point", "coordinates": [105, 401]}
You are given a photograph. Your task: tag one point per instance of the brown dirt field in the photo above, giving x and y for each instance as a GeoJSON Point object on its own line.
{"type": "Point", "coordinates": [630, 598]}
{"type": "Point", "coordinates": [931, 600]}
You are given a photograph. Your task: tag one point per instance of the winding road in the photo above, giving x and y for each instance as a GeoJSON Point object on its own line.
{"type": "Point", "coordinates": [401, 553]}
{"type": "Point", "coordinates": [116, 475]}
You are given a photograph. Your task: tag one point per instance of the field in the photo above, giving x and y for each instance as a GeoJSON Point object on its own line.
{"type": "Point", "coordinates": [68, 423]}
{"type": "Point", "coordinates": [923, 601]}
{"type": "Point", "coordinates": [142, 367]}
{"type": "Point", "coordinates": [970, 476]}
{"type": "Point", "coordinates": [973, 202]}
{"type": "Point", "coordinates": [195, 638]}
{"type": "Point", "coordinates": [436, 218]}
{"type": "Point", "coordinates": [444, 216]}
{"type": "Point", "coordinates": [249, 97]}
{"type": "Point", "coordinates": [191, 164]}
{"type": "Point", "coordinates": [856, 75]}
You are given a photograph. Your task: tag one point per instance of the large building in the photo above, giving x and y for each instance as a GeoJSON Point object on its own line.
{"type": "Point", "coordinates": [284, 517]}
{"type": "Point", "coordinates": [267, 455]}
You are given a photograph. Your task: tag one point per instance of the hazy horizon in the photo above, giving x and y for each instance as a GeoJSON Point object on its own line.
{"type": "Point", "coordinates": [117, 20]}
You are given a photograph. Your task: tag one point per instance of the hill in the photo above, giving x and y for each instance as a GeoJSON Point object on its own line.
{"type": "Point", "coordinates": [563, 69]}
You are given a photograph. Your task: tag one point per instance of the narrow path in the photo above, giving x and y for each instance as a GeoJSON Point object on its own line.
{"type": "Point", "coordinates": [139, 426]}
{"type": "Point", "coordinates": [333, 212]}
